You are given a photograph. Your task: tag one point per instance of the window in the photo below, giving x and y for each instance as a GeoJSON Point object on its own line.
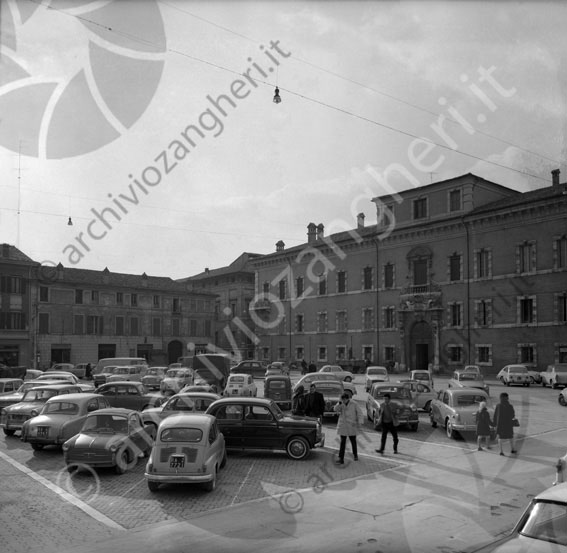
{"type": "Point", "coordinates": [527, 353]}
{"type": "Point", "coordinates": [175, 327]}
{"type": "Point", "coordinates": [388, 275]}
{"type": "Point", "coordinates": [94, 297]}
{"type": "Point", "coordinates": [420, 276]}
{"type": "Point", "coordinates": [455, 200]}
{"type": "Point", "coordinates": [561, 300]}
{"type": "Point", "coordinates": [119, 326]}
{"type": "Point", "coordinates": [420, 208]}
{"type": "Point", "coordinates": [342, 321]}
{"type": "Point", "coordinates": [299, 323]}
{"type": "Point", "coordinates": [322, 353]}
{"type": "Point", "coordinates": [341, 353]}
{"type": "Point", "coordinates": [43, 323]}
{"type": "Point", "coordinates": [78, 296]}
{"type": "Point", "coordinates": [455, 314]}
{"type": "Point", "coordinates": [367, 318]}
{"type": "Point", "coordinates": [11, 285]}
{"type": "Point", "coordinates": [282, 353]}
{"type": "Point", "coordinates": [266, 288]}
{"type": "Point", "coordinates": [483, 315]}
{"type": "Point", "coordinates": [484, 354]}
{"type": "Point", "coordinates": [526, 257]}
{"type": "Point", "coordinates": [299, 286]}
{"type": "Point", "coordinates": [156, 327]}
{"type": "Point", "coordinates": [79, 324]}
{"type": "Point", "coordinates": [134, 300]}
{"type": "Point", "coordinates": [94, 324]}
{"type": "Point", "coordinates": [322, 286]}
{"type": "Point", "coordinates": [43, 294]}
{"type": "Point", "coordinates": [389, 317]}
{"type": "Point", "coordinates": [483, 263]}
{"type": "Point", "coordinates": [341, 282]}
{"type": "Point", "coordinates": [299, 352]}
{"type": "Point", "coordinates": [560, 252]}
{"type": "Point", "coordinates": [176, 305]}
{"type": "Point", "coordinates": [367, 278]}
{"type": "Point", "coordinates": [322, 322]}
{"type": "Point", "coordinates": [192, 327]}
{"type": "Point", "coordinates": [281, 287]}
{"type": "Point", "coordinates": [156, 301]}
{"type": "Point", "coordinates": [119, 298]}
{"type": "Point", "coordinates": [389, 354]}
{"type": "Point", "coordinates": [455, 267]}
{"type": "Point", "coordinates": [455, 354]}
{"type": "Point", "coordinates": [12, 320]}
{"type": "Point", "coordinates": [526, 310]}
{"type": "Point", "coordinates": [134, 326]}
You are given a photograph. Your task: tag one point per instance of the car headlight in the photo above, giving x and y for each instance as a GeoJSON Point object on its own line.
{"type": "Point", "coordinates": [456, 417]}
{"type": "Point", "coordinates": [65, 447]}
{"type": "Point", "coordinates": [113, 447]}
{"type": "Point", "coordinates": [34, 413]}
{"type": "Point", "coordinates": [413, 407]}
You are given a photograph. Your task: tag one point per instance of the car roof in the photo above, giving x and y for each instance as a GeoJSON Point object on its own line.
{"type": "Point", "coordinates": [54, 386]}
{"type": "Point", "coordinates": [277, 377]}
{"type": "Point", "coordinates": [332, 366]}
{"type": "Point", "coordinates": [113, 411]}
{"type": "Point", "coordinates": [554, 493]}
{"type": "Point", "coordinates": [197, 394]}
{"type": "Point", "coordinates": [245, 400]}
{"type": "Point", "coordinates": [376, 367]}
{"type": "Point", "coordinates": [130, 382]}
{"type": "Point", "coordinates": [10, 379]}
{"type": "Point", "coordinates": [194, 419]}
{"type": "Point", "coordinates": [465, 391]}
{"type": "Point", "coordinates": [237, 374]}
{"type": "Point", "coordinates": [77, 398]}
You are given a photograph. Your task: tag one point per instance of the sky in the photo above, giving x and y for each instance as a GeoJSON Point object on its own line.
{"type": "Point", "coordinates": [152, 124]}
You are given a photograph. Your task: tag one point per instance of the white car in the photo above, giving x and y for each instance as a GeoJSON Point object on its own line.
{"type": "Point", "coordinates": [375, 373]}
{"type": "Point", "coordinates": [514, 374]}
{"type": "Point", "coordinates": [240, 385]}
{"type": "Point", "coordinates": [336, 371]}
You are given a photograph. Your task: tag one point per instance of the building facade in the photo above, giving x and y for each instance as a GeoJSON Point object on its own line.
{"type": "Point", "coordinates": [457, 272]}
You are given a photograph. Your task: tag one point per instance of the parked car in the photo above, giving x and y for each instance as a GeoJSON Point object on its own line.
{"type": "Point", "coordinates": [455, 409]}
{"type": "Point", "coordinates": [472, 368]}
{"type": "Point", "coordinates": [421, 393]}
{"type": "Point", "coordinates": [32, 374]}
{"type": "Point", "coordinates": [192, 402]}
{"type": "Point", "coordinates": [105, 366]}
{"type": "Point", "coordinates": [101, 377]}
{"type": "Point", "coordinates": [554, 375]}
{"type": "Point", "coordinates": [275, 370]}
{"type": "Point", "coordinates": [110, 437]}
{"type": "Point", "coordinates": [281, 366]}
{"type": "Point", "coordinates": [255, 423]}
{"type": "Point", "coordinates": [175, 379]}
{"type": "Point", "coordinates": [130, 395]}
{"type": "Point", "coordinates": [60, 419]}
{"type": "Point", "coordinates": [80, 370]}
{"type": "Point", "coordinates": [542, 527]}
{"type": "Point", "coordinates": [375, 373]}
{"type": "Point", "coordinates": [309, 378]}
{"type": "Point", "coordinates": [77, 370]}
{"type": "Point", "coordinates": [204, 377]}
{"type": "Point", "coordinates": [10, 398]}
{"type": "Point", "coordinates": [423, 375]}
{"type": "Point", "coordinates": [12, 417]}
{"type": "Point", "coordinates": [240, 385]}
{"type": "Point", "coordinates": [400, 397]}
{"type": "Point", "coordinates": [336, 372]}
{"type": "Point", "coordinates": [153, 377]}
{"type": "Point", "coordinates": [278, 389]}
{"type": "Point", "coordinates": [66, 377]}
{"type": "Point", "coordinates": [199, 387]}
{"type": "Point", "coordinates": [132, 373]}
{"type": "Point", "coordinates": [8, 385]}
{"type": "Point", "coordinates": [332, 391]}
{"type": "Point", "coordinates": [189, 448]}
{"type": "Point", "coordinates": [514, 374]}
{"type": "Point", "coordinates": [468, 379]}
{"type": "Point", "coordinates": [253, 368]}
{"type": "Point", "coordinates": [535, 375]}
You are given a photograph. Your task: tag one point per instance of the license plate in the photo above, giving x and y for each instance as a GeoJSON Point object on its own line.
{"type": "Point", "coordinates": [177, 461]}
{"type": "Point", "coordinates": [42, 431]}
{"type": "Point", "coordinates": [234, 391]}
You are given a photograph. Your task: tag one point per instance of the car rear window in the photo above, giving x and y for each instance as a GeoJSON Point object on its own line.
{"type": "Point", "coordinates": [106, 423]}
{"type": "Point", "coordinates": [377, 371]}
{"type": "Point", "coordinates": [192, 435]}
{"type": "Point", "coordinates": [236, 379]}
{"type": "Point", "coordinates": [277, 384]}
{"type": "Point", "coordinates": [395, 393]}
{"type": "Point", "coordinates": [522, 370]}
{"type": "Point", "coordinates": [60, 407]}
{"type": "Point", "coordinates": [469, 399]}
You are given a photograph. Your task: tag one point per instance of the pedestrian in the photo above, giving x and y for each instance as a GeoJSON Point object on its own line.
{"type": "Point", "coordinates": [88, 372]}
{"type": "Point", "coordinates": [314, 403]}
{"type": "Point", "coordinates": [483, 426]}
{"type": "Point", "coordinates": [504, 417]}
{"type": "Point", "coordinates": [298, 401]}
{"type": "Point", "coordinates": [304, 367]}
{"type": "Point", "coordinates": [312, 367]}
{"type": "Point", "coordinates": [388, 420]}
{"type": "Point", "coordinates": [347, 426]}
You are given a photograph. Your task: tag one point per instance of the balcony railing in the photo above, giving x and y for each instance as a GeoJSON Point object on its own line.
{"type": "Point", "coordinates": [421, 289]}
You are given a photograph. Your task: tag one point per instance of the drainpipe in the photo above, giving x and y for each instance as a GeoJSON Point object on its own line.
{"type": "Point", "coordinates": [468, 291]}
{"type": "Point", "coordinates": [376, 244]}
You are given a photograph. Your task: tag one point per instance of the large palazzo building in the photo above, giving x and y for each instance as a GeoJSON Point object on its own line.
{"type": "Point", "coordinates": [463, 271]}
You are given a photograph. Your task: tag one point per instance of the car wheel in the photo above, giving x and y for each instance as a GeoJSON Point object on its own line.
{"type": "Point", "coordinates": [543, 384]}
{"type": "Point", "coordinates": [153, 486]}
{"type": "Point", "coordinates": [212, 484]}
{"type": "Point", "coordinates": [122, 461]}
{"type": "Point", "coordinates": [427, 406]}
{"type": "Point", "coordinates": [562, 400]}
{"type": "Point", "coordinates": [9, 431]}
{"type": "Point", "coordinates": [451, 434]}
{"type": "Point", "coordinates": [297, 448]}
{"type": "Point", "coordinates": [223, 462]}
{"type": "Point", "coordinates": [552, 384]}
{"type": "Point", "coordinates": [37, 447]}
{"type": "Point", "coordinates": [348, 379]}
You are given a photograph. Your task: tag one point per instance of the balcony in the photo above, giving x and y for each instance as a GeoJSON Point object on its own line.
{"type": "Point", "coordinates": [261, 305]}
{"type": "Point", "coordinates": [424, 296]}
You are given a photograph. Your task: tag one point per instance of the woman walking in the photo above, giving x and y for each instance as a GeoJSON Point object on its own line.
{"type": "Point", "coordinates": [504, 416]}
{"type": "Point", "coordinates": [298, 401]}
{"type": "Point", "coordinates": [483, 426]}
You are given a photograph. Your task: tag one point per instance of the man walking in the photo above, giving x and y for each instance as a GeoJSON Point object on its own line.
{"type": "Point", "coordinates": [314, 403]}
{"type": "Point", "coordinates": [388, 419]}
{"type": "Point", "coordinates": [348, 425]}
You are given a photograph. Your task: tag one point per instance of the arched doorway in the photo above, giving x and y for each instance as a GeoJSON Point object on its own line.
{"type": "Point", "coordinates": [421, 346]}
{"type": "Point", "coordinates": [174, 351]}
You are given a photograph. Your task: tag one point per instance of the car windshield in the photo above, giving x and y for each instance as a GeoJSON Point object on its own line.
{"type": "Point", "coordinates": [277, 384]}
{"type": "Point", "coordinates": [396, 392]}
{"type": "Point", "coordinates": [325, 388]}
{"type": "Point", "coordinates": [60, 408]}
{"type": "Point", "coordinates": [39, 395]}
{"type": "Point", "coordinates": [377, 371]}
{"type": "Point", "coordinates": [179, 434]}
{"type": "Point", "coordinates": [468, 376]}
{"type": "Point", "coordinates": [121, 370]}
{"type": "Point", "coordinates": [469, 399]}
{"type": "Point", "coordinates": [547, 521]}
{"type": "Point", "coordinates": [518, 370]}
{"type": "Point", "coordinates": [177, 373]}
{"type": "Point", "coordinates": [155, 372]}
{"type": "Point", "coordinates": [421, 376]}
{"type": "Point", "coordinates": [106, 423]}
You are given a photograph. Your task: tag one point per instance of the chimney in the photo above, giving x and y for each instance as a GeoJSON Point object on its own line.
{"type": "Point", "coordinates": [320, 231]}
{"type": "Point", "coordinates": [311, 233]}
{"type": "Point", "coordinates": [280, 246]}
{"type": "Point", "coordinates": [360, 220]}
{"type": "Point", "coordinates": [555, 177]}
{"type": "Point", "coordinates": [206, 270]}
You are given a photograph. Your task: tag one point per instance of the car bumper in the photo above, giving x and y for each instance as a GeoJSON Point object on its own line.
{"type": "Point", "coordinates": [178, 478]}
{"type": "Point", "coordinates": [321, 442]}
{"type": "Point", "coordinates": [16, 426]}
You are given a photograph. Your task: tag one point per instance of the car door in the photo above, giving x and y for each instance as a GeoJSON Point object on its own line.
{"type": "Point", "coordinates": [438, 405]}
{"type": "Point", "coordinates": [422, 394]}
{"type": "Point", "coordinates": [109, 392]}
{"type": "Point", "coordinates": [133, 398]}
{"type": "Point", "coordinates": [230, 418]}
{"type": "Point", "coordinates": [136, 432]}
{"type": "Point", "coordinates": [260, 428]}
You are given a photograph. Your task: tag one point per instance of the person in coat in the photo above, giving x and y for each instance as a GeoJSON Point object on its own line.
{"type": "Point", "coordinates": [298, 401]}
{"type": "Point", "coordinates": [388, 420]}
{"type": "Point", "coordinates": [314, 403]}
{"type": "Point", "coordinates": [504, 416]}
{"type": "Point", "coordinates": [483, 426]}
{"type": "Point", "coordinates": [347, 426]}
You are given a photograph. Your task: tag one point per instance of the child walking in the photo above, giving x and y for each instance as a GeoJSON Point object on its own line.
{"type": "Point", "coordinates": [483, 425]}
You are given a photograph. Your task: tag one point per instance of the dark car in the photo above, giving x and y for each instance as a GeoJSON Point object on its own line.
{"type": "Point", "coordinates": [109, 438]}
{"type": "Point", "coordinates": [255, 423]}
{"type": "Point", "coordinates": [278, 388]}
{"type": "Point", "coordinates": [401, 398]}
{"type": "Point", "coordinates": [130, 395]}
{"type": "Point", "coordinates": [253, 368]}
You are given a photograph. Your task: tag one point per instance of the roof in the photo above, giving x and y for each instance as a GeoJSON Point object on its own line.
{"type": "Point", "coordinates": [11, 253]}
{"type": "Point", "coordinates": [240, 264]}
